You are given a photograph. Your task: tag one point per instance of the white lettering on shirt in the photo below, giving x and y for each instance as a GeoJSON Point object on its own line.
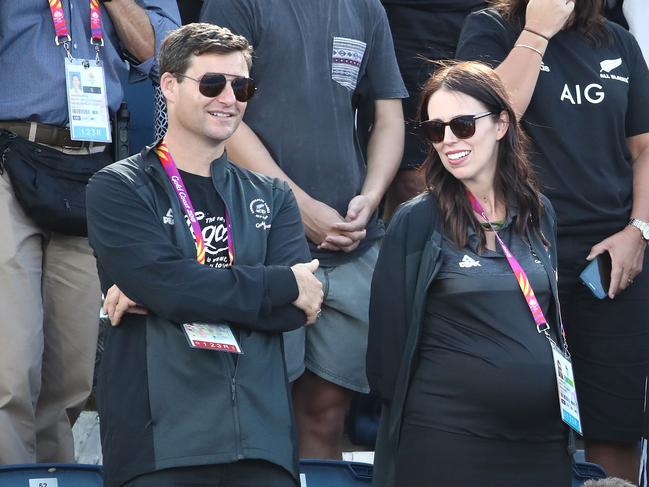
{"type": "Point", "coordinates": [589, 94]}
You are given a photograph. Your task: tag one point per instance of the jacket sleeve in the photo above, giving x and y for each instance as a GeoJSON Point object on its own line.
{"type": "Point", "coordinates": [287, 246]}
{"type": "Point", "coordinates": [134, 252]}
{"type": "Point", "coordinates": [388, 314]}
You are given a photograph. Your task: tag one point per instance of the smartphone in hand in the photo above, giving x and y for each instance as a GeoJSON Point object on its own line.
{"type": "Point", "coordinates": [597, 275]}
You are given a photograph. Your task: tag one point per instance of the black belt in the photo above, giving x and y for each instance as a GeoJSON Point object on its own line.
{"type": "Point", "coordinates": [42, 133]}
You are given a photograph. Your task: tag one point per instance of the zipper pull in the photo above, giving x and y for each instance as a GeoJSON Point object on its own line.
{"type": "Point", "coordinates": [233, 389]}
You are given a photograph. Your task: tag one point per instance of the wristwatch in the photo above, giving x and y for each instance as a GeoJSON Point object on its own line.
{"type": "Point", "coordinates": [642, 226]}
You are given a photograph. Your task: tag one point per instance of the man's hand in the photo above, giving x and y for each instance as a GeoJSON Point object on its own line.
{"type": "Point", "coordinates": [627, 250]}
{"type": "Point", "coordinates": [359, 211]}
{"type": "Point", "coordinates": [547, 17]}
{"type": "Point", "coordinates": [319, 220]}
{"type": "Point", "coordinates": [310, 295]}
{"type": "Point", "coordinates": [117, 303]}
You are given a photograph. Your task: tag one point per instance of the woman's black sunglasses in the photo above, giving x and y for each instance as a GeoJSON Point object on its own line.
{"type": "Point", "coordinates": [463, 127]}
{"type": "Point", "coordinates": [212, 84]}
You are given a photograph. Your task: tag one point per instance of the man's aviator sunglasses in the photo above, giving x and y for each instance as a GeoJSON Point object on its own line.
{"type": "Point", "coordinates": [463, 127]}
{"type": "Point", "coordinates": [212, 84]}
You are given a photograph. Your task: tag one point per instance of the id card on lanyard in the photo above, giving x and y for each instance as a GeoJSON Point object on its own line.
{"type": "Point", "coordinates": [207, 336]}
{"type": "Point", "coordinates": [85, 81]}
{"type": "Point", "coordinates": [567, 392]}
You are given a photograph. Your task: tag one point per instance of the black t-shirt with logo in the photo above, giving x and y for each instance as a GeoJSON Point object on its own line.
{"type": "Point", "coordinates": [587, 101]}
{"type": "Point", "coordinates": [210, 213]}
{"type": "Point", "coordinates": [478, 325]}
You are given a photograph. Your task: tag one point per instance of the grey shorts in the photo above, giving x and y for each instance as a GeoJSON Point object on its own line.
{"type": "Point", "coordinates": [334, 347]}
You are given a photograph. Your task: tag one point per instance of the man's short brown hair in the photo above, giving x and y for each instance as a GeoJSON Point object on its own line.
{"type": "Point", "coordinates": [196, 39]}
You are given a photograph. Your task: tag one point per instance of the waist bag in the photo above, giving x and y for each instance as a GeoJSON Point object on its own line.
{"type": "Point", "coordinates": [48, 184]}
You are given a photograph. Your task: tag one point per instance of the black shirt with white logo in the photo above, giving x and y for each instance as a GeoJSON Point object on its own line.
{"type": "Point", "coordinates": [479, 342]}
{"type": "Point", "coordinates": [587, 101]}
{"type": "Point", "coordinates": [210, 213]}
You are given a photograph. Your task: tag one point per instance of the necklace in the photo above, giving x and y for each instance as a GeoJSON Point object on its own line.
{"type": "Point", "coordinates": [499, 225]}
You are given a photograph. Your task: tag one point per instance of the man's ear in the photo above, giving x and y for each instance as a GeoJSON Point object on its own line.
{"type": "Point", "coordinates": [502, 125]}
{"type": "Point", "coordinates": [168, 86]}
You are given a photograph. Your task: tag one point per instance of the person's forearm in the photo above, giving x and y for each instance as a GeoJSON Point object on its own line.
{"type": "Point", "coordinates": [640, 209]}
{"type": "Point", "coordinates": [133, 28]}
{"type": "Point", "coordinates": [384, 149]}
{"type": "Point", "coordinates": [248, 151]}
{"type": "Point", "coordinates": [520, 70]}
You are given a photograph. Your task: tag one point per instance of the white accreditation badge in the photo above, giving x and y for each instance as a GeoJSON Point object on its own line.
{"type": "Point", "coordinates": [87, 102]}
{"type": "Point", "coordinates": [211, 336]}
{"type": "Point", "coordinates": [567, 391]}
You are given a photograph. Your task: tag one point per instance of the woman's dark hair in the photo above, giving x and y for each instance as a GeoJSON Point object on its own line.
{"type": "Point", "coordinates": [514, 178]}
{"type": "Point", "coordinates": [589, 19]}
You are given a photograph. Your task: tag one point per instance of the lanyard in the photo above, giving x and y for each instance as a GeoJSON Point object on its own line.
{"type": "Point", "coordinates": [61, 33]}
{"type": "Point", "coordinates": [176, 180]}
{"type": "Point", "coordinates": [542, 325]}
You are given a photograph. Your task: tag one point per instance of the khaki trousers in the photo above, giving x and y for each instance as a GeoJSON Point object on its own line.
{"type": "Point", "coordinates": [49, 304]}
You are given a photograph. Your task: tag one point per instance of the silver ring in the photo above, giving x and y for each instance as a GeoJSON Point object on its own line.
{"type": "Point", "coordinates": [629, 281]}
{"type": "Point", "coordinates": [318, 313]}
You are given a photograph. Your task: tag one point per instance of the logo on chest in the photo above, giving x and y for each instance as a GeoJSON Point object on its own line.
{"type": "Point", "coordinates": [468, 262]}
{"type": "Point", "coordinates": [168, 219]}
{"type": "Point", "coordinates": [592, 93]}
{"type": "Point", "coordinates": [609, 65]}
{"type": "Point", "coordinates": [261, 212]}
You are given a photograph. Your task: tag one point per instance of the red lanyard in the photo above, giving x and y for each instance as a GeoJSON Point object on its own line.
{"type": "Point", "coordinates": [61, 33]}
{"type": "Point", "coordinates": [176, 180]}
{"type": "Point", "coordinates": [542, 325]}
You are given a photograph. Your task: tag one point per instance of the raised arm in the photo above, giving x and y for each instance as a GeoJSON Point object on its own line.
{"type": "Point", "coordinates": [518, 62]}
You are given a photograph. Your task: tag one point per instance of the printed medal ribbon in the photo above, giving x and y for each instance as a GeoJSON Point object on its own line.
{"type": "Point", "coordinates": [58, 18]}
{"type": "Point", "coordinates": [61, 28]}
{"type": "Point", "coordinates": [520, 274]}
{"type": "Point", "coordinates": [176, 180]}
{"type": "Point", "coordinates": [95, 23]}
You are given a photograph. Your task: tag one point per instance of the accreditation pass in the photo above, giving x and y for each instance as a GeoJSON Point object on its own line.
{"type": "Point", "coordinates": [211, 336]}
{"type": "Point", "coordinates": [567, 391]}
{"type": "Point", "coordinates": [87, 102]}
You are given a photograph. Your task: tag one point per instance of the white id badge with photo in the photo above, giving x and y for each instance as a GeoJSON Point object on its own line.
{"type": "Point", "coordinates": [87, 103]}
{"type": "Point", "coordinates": [211, 336]}
{"type": "Point", "coordinates": [567, 391]}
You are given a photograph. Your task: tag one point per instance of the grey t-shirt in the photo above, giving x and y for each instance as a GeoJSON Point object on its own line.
{"type": "Point", "coordinates": [314, 60]}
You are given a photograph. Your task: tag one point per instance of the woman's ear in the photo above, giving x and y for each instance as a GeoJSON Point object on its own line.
{"type": "Point", "coordinates": [502, 125]}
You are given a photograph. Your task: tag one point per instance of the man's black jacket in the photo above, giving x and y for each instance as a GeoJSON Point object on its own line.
{"type": "Point", "coordinates": [163, 404]}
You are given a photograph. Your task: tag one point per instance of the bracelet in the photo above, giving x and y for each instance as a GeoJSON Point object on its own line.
{"type": "Point", "coordinates": [537, 34]}
{"type": "Point", "coordinates": [530, 48]}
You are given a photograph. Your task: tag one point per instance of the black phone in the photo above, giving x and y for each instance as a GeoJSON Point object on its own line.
{"type": "Point", "coordinates": [597, 275]}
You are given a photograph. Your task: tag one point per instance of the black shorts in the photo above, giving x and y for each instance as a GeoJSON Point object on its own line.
{"type": "Point", "coordinates": [609, 344]}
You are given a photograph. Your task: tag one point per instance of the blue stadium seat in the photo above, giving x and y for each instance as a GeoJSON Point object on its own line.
{"type": "Point", "coordinates": [51, 475]}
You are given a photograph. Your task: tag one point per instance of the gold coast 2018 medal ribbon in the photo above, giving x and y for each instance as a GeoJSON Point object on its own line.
{"type": "Point", "coordinates": [176, 180]}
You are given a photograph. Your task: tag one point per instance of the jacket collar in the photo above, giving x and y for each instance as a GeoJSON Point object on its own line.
{"type": "Point", "coordinates": [152, 165]}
